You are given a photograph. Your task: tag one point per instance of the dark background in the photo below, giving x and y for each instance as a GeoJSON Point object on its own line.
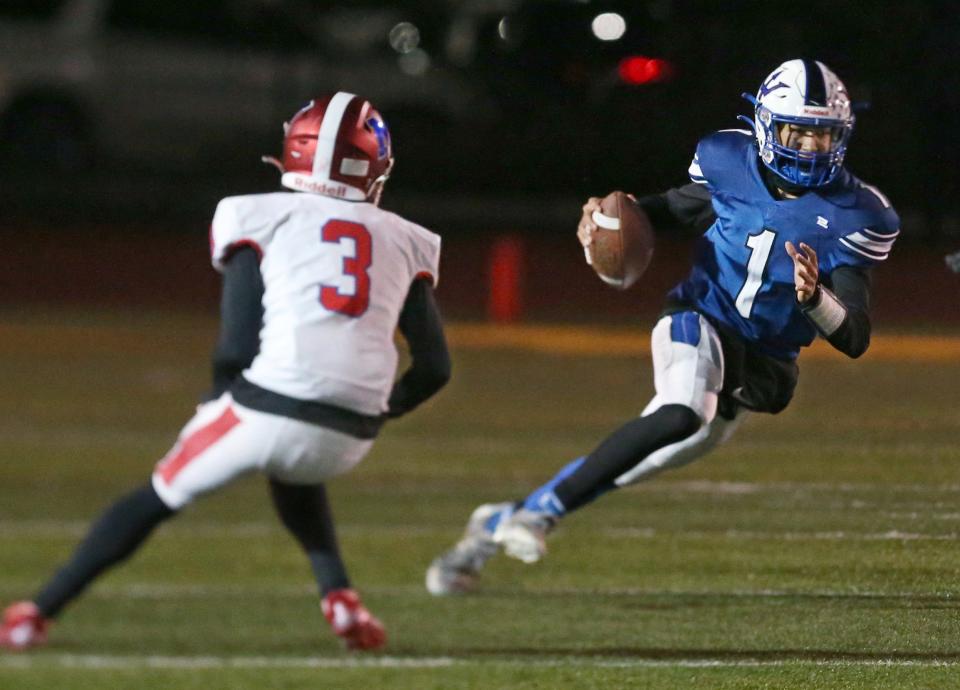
{"type": "Point", "coordinates": [505, 116]}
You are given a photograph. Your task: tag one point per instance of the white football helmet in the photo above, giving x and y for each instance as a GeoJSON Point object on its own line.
{"type": "Point", "coordinates": [805, 93]}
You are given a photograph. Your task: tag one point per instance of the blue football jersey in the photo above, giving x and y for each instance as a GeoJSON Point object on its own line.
{"type": "Point", "coordinates": [742, 276]}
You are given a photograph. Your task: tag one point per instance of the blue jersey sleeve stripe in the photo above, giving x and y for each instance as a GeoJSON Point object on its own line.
{"type": "Point", "coordinates": [864, 242]}
{"type": "Point", "coordinates": [863, 251]}
{"type": "Point", "coordinates": [874, 235]}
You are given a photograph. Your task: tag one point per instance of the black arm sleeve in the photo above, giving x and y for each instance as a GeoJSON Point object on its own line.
{"type": "Point", "coordinates": [241, 316]}
{"type": "Point", "coordinates": [429, 369]}
{"type": "Point", "coordinates": [851, 286]}
{"type": "Point", "coordinates": [688, 207]}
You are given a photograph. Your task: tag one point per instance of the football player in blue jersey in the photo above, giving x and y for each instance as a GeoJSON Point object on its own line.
{"type": "Point", "coordinates": [791, 237]}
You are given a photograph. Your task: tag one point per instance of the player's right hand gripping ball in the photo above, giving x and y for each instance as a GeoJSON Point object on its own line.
{"type": "Point", "coordinates": [622, 245]}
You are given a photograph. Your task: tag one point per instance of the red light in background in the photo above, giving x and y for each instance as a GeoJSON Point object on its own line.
{"type": "Point", "coordinates": [637, 70]}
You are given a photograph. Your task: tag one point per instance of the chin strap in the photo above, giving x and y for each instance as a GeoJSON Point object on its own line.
{"type": "Point", "coordinates": [270, 160]}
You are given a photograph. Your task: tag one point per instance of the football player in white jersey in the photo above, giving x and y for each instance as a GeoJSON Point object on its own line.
{"type": "Point", "coordinates": [315, 283]}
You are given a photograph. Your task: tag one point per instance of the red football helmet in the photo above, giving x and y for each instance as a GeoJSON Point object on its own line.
{"type": "Point", "coordinates": [336, 145]}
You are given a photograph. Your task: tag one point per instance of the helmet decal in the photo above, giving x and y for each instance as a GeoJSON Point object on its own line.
{"type": "Point", "coordinates": [329, 129]}
{"type": "Point", "coordinates": [816, 91]}
{"type": "Point", "coordinates": [770, 84]}
{"type": "Point", "coordinates": [383, 136]}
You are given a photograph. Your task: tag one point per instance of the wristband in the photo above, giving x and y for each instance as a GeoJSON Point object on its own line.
{"type": "Point", "coordinates": [828, 312]}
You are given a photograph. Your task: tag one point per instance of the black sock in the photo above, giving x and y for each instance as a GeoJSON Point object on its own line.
{"type": "Point", "coordinates": [118, 532]}
{"type": "Point", "coordinates": [624, 449]}
{"type": "Point", "coordinates": [305, 511]}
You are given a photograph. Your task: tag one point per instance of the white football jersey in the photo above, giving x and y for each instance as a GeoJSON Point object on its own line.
{"type": "Point", "coordinates": [336, 274]}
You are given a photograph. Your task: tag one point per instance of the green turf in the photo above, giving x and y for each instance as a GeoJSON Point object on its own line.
{"type": "Point", "coordinates": [817, 549]}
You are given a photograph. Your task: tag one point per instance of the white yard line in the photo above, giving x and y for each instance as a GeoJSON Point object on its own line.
{"type": "Point", "coordinates": [203, 530]}
{"type": "Point", "coordinates": [122, 662]}
{"type": "Point", "coordinates": [739, 593]}
{"type": "Point", "coordinates": [750, 535]}
{"type": "Point", "coordinates": [104, 661]}
{"type": "Point", "coordinates": [709, 486]}
{"type": "Point", "coordinates": [15, 529]}
{"type": "Point", "coordinates": [178, 591]}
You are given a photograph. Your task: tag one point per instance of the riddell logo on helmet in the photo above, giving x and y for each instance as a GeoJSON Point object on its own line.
{"type": "Point", "coordinates": [308, 185]}
{"type": "Point", "coordinates": [816, 111]}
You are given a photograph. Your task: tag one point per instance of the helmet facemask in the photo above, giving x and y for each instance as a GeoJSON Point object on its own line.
{"type": "Point", "coordinates": [810, 168]}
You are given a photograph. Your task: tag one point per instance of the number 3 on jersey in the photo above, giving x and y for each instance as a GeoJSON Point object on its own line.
{"type": "Point", "coordinates": [760, 248]}
{"type": "Point", "coordinates": [356, 266]}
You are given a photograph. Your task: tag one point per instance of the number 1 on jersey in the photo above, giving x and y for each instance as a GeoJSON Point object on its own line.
{"type": "Point", "coordinates": [355, 266]}
{"type": "Point", "coordinates": [760, 247]}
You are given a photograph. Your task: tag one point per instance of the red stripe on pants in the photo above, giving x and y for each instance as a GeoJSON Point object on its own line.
{"type": "Point", "coordinates": [196, 443]}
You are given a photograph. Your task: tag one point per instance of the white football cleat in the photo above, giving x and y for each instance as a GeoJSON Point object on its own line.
{"type": "Point", "coordinates": [524, 534]}
{"type": "Point", "coordinates": [457, 571]}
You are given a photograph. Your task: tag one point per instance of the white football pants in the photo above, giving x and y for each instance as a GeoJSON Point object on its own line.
{"type": "Point", "coordinates": [687, 370]}
{"type": "Point", "coordinates": [225, 440]}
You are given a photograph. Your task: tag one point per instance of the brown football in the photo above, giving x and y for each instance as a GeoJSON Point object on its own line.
{"type": "Point", "coordinates": [622, 243]}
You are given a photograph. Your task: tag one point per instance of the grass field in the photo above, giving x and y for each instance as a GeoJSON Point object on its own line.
{"type": "Point", "coordinates": [817, 550]}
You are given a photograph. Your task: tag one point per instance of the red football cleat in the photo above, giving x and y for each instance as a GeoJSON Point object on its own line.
{"type": "Point", "coordinates": [351, 620]}
{"type": "Point", "coordinates": [23, 627]}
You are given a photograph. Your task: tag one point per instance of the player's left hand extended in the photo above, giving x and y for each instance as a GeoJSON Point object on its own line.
{"type": "Point", "coordinates": [806, 271]}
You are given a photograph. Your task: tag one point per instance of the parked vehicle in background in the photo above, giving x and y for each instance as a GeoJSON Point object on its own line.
{"type": "Point", "coordinates": [200, 86]}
